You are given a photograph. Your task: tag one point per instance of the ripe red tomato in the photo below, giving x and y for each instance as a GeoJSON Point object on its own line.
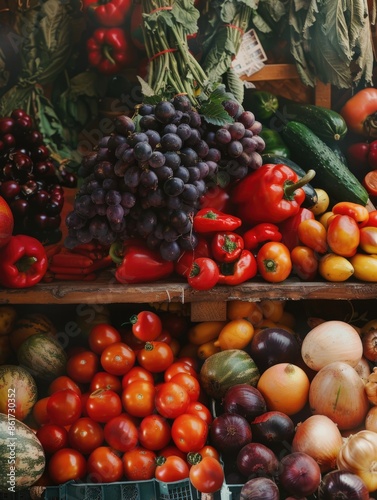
{"type": "Point", "coordinates": [304, 262]}
{"type": "Point", "coordinates": [178, 367]}
{"type": "Point", "coordinates": [103, 404]}
{"type": "Point", "coordinates": [104, 466]}
{"type": "Point", "coordinates": [155, 356]}
{"type": "Point", "coordinates": [358, 112]}
{"type": "Point", "coordinates": [137, 373]}
{"type": "Point", "coordinates": [188, 382]}
{"type": "Point", "coordinates": [200, 410]}
{"type": "Point", "coordinates": [39, 411]}
{"type": "Point", "coordinates": [52, 437]}
{"type": "Point", "coordinates": [171, 399]}
{"type": "Point", "coordinates": [146, 325]}
{"type": "Point", "coordinates": [118, 358]}
{"type": "Point", "coordinates": [154, 432]}
{"type": "Point", "coordinates": [64, 407]}
{"type": "Point", "coordinates": [6, 222]}
{"type": "Point", "coordinates": [343, 235]}
{"type": "Point", "coordinates": [171, 450]}
{"type": "Point", "coordinates": [65, 465]}
{"type": "Point", "coordinates": [189, 432]}
{"type": "Point", "coordinates": [121, 433]}
{"type": "Point", "coordinates": [209, 451]}
{"type": "Point", "coordinates": [101, 336]}
{"type": "Point", "coordinates": [172, 468]}
{"type": "Point", "coordinates": [176, 324]}
{"type": "Point", "coordinates": [85, 435]}
{"type": "Point", "coordinates": [207, 476]}
{"type": "Point", "coordinates": [104, 380]}
{"type": "Point", "coordinates": [63, 382]}
{"type": "Point", "coordinates": [139, 464]}
{"type": "Point", "coordinates": [82, 366]}
{"type": "Point", "coordinates": [204, 274]}
{"type": "Point", "coordinates": [138, 398]}
{"type": "Point", "coordinates": [274, 261]}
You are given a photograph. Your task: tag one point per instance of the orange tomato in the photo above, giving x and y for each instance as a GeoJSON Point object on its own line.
{"type": "Point", "coordinates": [236, 334]}
{"type": "Point", "coordinates": [285, 387]}
{"type": "Point", "coordinates": [312, 234]}
{"type": "Point", "coordinates": [274, 261]}
{"type": "Point", "coordinates": [304, 262]}
{"type": "Point", "coordinates": [343, 235]}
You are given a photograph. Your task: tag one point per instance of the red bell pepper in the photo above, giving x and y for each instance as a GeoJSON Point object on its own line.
{"type": "Point", "coordinates": [108, 50]}
{"type": "Point", "coordinates": [183, 265]}
{"type": "Point", "coordinates": [242, 269]}
{"type": "Point", "coordinates": [23, 262]}
{"type": "Point", "coordinates": [208, 220]}
{"type": "Point", "coordinates": [289, 227]}
{"type": "Point", "coordinates": [109, 13]}
{"type": "Point", "coordinates": [226, 246]}
{"type": "Point", "coordinates": [354, 210]}
{"type": "Point", "coordinates": [261, 233]}
{"type": "Point", "coordinates": [141, 265]}
{"type": "Point", "coordinates": [270, 194]}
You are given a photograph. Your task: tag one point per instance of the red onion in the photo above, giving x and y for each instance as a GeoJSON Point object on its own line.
{"type": "Point", "coordinates": [272, 428]}
{"type": "Point", "coordinates": [341, 484]}
{"type": "Point", "coordinates": [259, 488]}
{"type": "Point", "coordinates": [229, 432]}
{"type": "Point", "coordinates": [300, 474]}
{"type": "Point", "coordinates": [270, 346]}
{"type": "Point", "coordinates": [245, 400]}
{"type": "Point", "coordinates": [255, 459]}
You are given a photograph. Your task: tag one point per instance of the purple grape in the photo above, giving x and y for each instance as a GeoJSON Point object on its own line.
{"type": "Point", "coordinates": [113, 197]}
{"type": "Point", "coordinates": [164, 111]}
{"type": "Point", "coordinates": [170, 250]}
{"type": "Point", "coordinates": [157, 159]}
{"type": "Point", "coordinates": [171, 142]}
{"type": "Point", "coordinates": [115, 214]}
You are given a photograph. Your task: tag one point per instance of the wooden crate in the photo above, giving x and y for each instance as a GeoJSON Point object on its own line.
{"type": "Point", "coordinates": [283, 79]}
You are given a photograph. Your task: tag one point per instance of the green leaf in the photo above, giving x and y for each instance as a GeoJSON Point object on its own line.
{"type": "Point", "coordinates": [186, 14]}
{"type": "Point", "coordinates": [235, 85]}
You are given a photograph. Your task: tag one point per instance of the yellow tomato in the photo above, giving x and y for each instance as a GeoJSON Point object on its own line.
{"type": "Point", "coordinates": [325, 218]}
{"type": "Point", "coordinates": [205, 331]}
{"type": "Point", "coordinates": [236, 334]}
{"type": "Point", "coordinates": [368, 239]}
{"type": "Point", "coordinates": [323, 202]}
{"type": "Point", "coordinates": [206, 350]}
{"type": "Point", "coordinates": [237, 309]}
{"type": "Point", "coordinates": [272, 309]}
{"type": "Point", "coordinates": [365, 266]}
{"type": "Point", "coordinates": [333, 267]}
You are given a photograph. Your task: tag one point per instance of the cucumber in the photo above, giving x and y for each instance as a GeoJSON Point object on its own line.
{"type": "Point", "coordinates": [311, 152]}
{"type": "Point", "coordinates": [327, 124]}
{"type": "Point", "coordinates": [311, 197]}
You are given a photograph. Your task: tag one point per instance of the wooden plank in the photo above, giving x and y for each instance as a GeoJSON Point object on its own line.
{"type": "Point", "coordinates": [322, 95]}
{"type": "Point", "coordinates": [274, 72]}
{"type": "Point", "coordinates": [208, 311]}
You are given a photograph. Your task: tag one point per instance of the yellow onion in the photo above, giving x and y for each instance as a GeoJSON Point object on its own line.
{"type": "Point", "coordinates": [338, 392]}
{"type": "Point", "coordinates": [331, 341]}
{"type": "Point", "coordinates": [363, 369]}
{"type": "Point", "coordinates": [359, 455]}
{"type": "Point", "coordinates": [319, 437]}
{"type": "Point", "coordinates": [371, 386]}
{"type": "Point", "coordinates": [371, 419]}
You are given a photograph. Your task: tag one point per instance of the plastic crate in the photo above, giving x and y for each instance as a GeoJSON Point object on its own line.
{"type": "Point", "coordinates": [130, 490]}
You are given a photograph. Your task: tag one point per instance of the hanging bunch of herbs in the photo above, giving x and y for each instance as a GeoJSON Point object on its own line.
{"type": "Point", "coordinates": [44, 42]}
{"type": "Point", "coordinates": [222, 26]}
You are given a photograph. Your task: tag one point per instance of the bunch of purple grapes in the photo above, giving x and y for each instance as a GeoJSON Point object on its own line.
{"type": "Point", "coordinates": [28, 175]}
{"type": "Point", "coordinates": [148, 181]}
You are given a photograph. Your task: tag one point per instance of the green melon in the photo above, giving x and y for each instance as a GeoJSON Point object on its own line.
{"type": "Point", "coordinates": [22, 459]}
{"type": "Point", "coordinates": [18, 391]}
{"type": "Point", "coordinates": [43, 357]}
{"type": "Point", "coordinates": [225, 369]}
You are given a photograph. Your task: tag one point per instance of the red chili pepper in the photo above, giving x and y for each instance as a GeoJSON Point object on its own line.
{"type": "Point", "coordinates": [108, 50]}
{"type": "Point", "coordinates": [261, 233]}
{"type": "Point", "coordinates": [226, 246]}
{"type": "Point", "coordinates": [23, 262]}
{"type": "Point", "coordinates": [270, 194]}
{"type": "Point", "coordinates": [142, 265]}
{"type": "Point", "coordinates": [289, 227]}
{"type": "Point", "coordinates": [242, 269]}
{"type": "Point", "coordinates": [108, 13]}
{"type": "Point", "coordinates": [208, 220]}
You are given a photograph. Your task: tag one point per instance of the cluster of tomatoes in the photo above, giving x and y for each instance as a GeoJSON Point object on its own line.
{"type": "Point", "coordinates": [128, 413]}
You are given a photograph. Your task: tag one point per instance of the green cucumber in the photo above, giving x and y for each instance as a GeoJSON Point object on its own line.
{"type": "Point", "coordinates": [327, 124]}
{"type": "Point", "coordinates": [311, 197]}
{"type": "Point", "coordinates": [311, 152]}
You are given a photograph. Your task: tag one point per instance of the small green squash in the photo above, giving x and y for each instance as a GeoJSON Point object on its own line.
{"type": "Point", "coordinates": [225, 369]}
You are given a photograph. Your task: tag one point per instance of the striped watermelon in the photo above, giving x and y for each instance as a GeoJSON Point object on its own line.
{"type": "Point", "coordinates": [225, 369]}
{"type": "Point", "coordinates": [22, 459]}
{"type": "Point", "coordinates": [43, 357]}
{"type": "Point", "coordinates": [18, 391]}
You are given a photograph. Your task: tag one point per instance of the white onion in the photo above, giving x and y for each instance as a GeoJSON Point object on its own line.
{"type": "Point", "coordinates": [319, 437]}
{"type": "Point", "coordinates": [331, 341]}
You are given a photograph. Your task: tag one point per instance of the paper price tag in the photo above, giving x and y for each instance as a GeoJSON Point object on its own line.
{"type": "Point", "coordinates": [251, 55]}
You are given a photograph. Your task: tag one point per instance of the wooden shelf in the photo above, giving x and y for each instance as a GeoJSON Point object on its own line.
{"type": "Point", "coordinates": [105, 290]}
